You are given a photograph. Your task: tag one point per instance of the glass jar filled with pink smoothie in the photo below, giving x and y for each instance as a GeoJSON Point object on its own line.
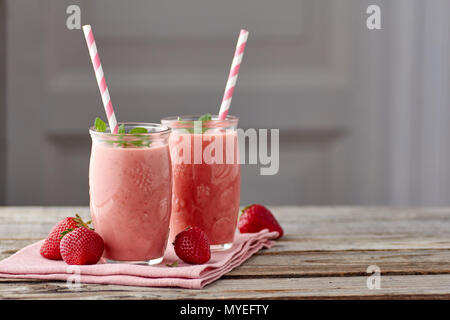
{"type": "Point", "coordinates": [130, 191]}
{"type": "Point", "coordinates": [206, 177]}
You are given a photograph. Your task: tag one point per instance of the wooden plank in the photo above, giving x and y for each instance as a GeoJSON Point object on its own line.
{"type": "Point", "coordinates": [334, 242]}
{"type": "Point", "coordinates": [392, 287]}
{"type": "Point", "coordinates": [324, 254]}
{"type": "Point", "coordinates": [304, 220]}
{"type": "Point", "coordinates": [9, 247]}
{"type": "Point", "coordinates": [364, 220]}
{"type": "Point", "coordinates": [343, 263]}
{"type": "Point", "coordinates": [307, 229]}
{"type": "Point", "coordinates": [34, 222]}
{"type": "Point", "coordinates": [293, 264]}
{"type": "Point", "coordinates": [292, 244]}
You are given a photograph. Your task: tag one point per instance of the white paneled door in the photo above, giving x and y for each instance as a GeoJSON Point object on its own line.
{"type": "Point", "coordinates": [172, 57]}
{"type": "Point", "coordinates": [311, 69]}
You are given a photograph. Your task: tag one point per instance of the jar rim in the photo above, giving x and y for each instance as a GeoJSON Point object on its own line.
{"type": "Point", "coordinates": [187, 121]}
{"type": "Point", "coordinates": [160, 129]}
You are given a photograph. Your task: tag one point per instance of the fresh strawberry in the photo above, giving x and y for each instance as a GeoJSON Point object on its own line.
{"type": "Point", "coordinates": [256, 217]}
{"type": "Point", "coordinates": [81, 246]}
{"type": "Point", "coordinates": [192, 246]}
{"type": "Point", "coordinates": [50, 247]}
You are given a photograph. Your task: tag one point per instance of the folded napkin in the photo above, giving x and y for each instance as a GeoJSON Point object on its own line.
{"type": "Point", "coordinates": [28, 263]}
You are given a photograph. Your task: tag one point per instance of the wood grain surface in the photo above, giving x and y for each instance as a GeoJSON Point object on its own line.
{"type": "Point", "coordinates": [324, 255]}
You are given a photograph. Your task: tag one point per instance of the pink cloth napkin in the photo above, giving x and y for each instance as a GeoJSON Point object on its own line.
{"type": "Point", "coordinates": [28, 263]}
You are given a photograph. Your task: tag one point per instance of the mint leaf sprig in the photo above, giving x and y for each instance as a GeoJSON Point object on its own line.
{"type": "Point", "coordinates": [203, 118]}
{"type": "Point", "coordinates": [99, 125]}
{"type": "Point", "coordinates": [122, 141]}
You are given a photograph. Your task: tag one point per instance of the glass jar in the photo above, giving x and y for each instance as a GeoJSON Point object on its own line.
{"type": "Point", "coordinates": [206, 177]}
{"type": "Point", "coordinates": [130, 187]}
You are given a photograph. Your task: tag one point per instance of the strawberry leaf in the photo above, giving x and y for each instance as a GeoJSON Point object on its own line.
{"type": "Point", "coordinates": [81, 223]}
{"type": "Point", "coordinates": [65, 232]}
{"type": "Point", "coordinates": [245, 208]}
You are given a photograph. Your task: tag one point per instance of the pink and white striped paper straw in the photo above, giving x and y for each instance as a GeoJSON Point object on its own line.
{"type": "Point", "coordinates": [234, 72]}
{"type": "Point", "coordinates": [95, 58]}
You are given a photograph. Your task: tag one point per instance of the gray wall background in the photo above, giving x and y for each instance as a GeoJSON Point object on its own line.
{"type": "Point", "coordinates": [363, 115]}
{"type": "Point", "coordinates": [2, 102]}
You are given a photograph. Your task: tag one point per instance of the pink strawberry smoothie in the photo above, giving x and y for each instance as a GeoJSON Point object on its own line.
{"type": "Point", "coordinates": [130, 192]}
{"type": "Point", "coordinates": [205, 195]}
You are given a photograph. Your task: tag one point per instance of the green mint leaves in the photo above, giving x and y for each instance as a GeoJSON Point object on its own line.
{"type": "Point", "coordinates": [203, 118]}
{"type": "Point", "coordinates": [138, 130]}
{"type": "Point", "coordinates": [122, 140]}
{"type": "Point", "coordinates": [99, 125]}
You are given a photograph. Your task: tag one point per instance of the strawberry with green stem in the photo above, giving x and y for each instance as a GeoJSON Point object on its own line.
{"type": "Point", "coordinates": [255, 218]}
{"type": "Point", "coordinates": [81, 246]}
{"type": "Point", "coordinates": [50, 248]}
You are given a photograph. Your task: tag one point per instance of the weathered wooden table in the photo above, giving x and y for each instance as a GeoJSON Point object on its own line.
{"type": "Point", "coordinates": [325, 254]}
